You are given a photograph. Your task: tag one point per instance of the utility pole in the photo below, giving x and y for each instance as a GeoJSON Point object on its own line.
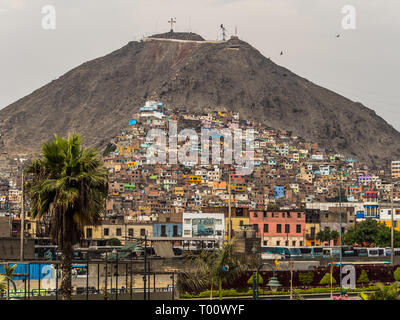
{"type": "Point", "coordinates": [22, 220]}
{"type": "Point", "coordinates": [291, 279]}
{"type": "Point", "coordinates": [392, 227]}
{"type": "Point", "coordinates": [229, 208]}
{"type": "Point", "coordinates": [145, 262]}
{"type": "Point", "coordinates": [340, 228]}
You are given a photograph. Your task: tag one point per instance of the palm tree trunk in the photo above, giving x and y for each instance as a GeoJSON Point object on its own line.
{"type": "Point", "coordinates": [66, 266]}
{"type": "Point", "coordinates": [212, 286]}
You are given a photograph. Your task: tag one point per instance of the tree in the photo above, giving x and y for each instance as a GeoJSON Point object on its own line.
{"type": "Point", "coordinates": [383, 293]}
{"type": "Point", "coordinates": [260, 280]}
{"type": "Point", "coordinates": [69, 185]}
{"type": "Point", "coordinates": [211, 268]}
{"type": "Point", "coordinates": [327, 235]}
{"type": "Point", "coordinates": [3, 286]}
{"type": "Point", "coordinates": [371, 233]}
{"type": "Point", "coordinates": [363, 278]}
{"type": "Point", "coordinates": [8, 277]}
{"type": "Point", "coordinates": [334, 235]}
{"type": "Point", "coordinates": [326, 279]}
{"type": "Point", "coordinates": [396, 274]}
{"type": "Point", "coordinates": [306, 278]}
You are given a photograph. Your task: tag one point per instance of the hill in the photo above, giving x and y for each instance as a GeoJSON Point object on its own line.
{"type": "Point", "coordinates": [98, 97]}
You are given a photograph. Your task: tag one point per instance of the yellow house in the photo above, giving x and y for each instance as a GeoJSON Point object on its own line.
{"type": "Point", "coordinates": [195, 179]}
{"type": "Point", "coordinates": [236, 223]}
{"type": "Point", "coordinates": [388, 223]}
{"type": "Point", "coordinates": [311, 234]}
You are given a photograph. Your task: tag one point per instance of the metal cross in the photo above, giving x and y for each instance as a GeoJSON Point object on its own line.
{"type": "Point", "coordinates": [172, 21]}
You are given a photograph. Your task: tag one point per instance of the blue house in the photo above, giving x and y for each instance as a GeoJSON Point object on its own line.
{"type": "Point", "coordinates": [166, 229]}
{"type": "Point", "coordinates": [279, 192]}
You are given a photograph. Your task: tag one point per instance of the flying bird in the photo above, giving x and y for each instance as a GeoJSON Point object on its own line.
{"type": "Point", "coordinates": [281, 52]}
{"type": "Point", "coordinates": [338, 35]}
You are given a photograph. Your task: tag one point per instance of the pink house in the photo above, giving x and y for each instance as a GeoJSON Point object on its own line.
{"type": "Point", "coordinates": [279, 228]}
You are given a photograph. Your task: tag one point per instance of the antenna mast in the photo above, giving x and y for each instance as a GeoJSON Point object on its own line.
{"type": "Point", "coordinates": [223, 32]}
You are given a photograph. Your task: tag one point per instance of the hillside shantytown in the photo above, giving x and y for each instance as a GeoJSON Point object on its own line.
{"type": "Point", "coordinates": [291, 195]}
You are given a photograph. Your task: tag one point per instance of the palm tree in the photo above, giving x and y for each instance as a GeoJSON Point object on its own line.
{"type": "Point", "coordinates": [216, 267]}
{"type": "Point", "coordinates": [226, 266]}
{"type": "Point", "coordinates": [383, 293]}
{"type": "Point", "coordinates": [69, 186]}
{"type": "Point", "coordinates": [3, 286]}
{"type": "Point", "coordinates": [8, 275]}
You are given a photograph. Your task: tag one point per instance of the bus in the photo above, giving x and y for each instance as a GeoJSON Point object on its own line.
{"type": "Point", "coordinates": [361, 252]}
{"type": "Point", "coordinates": [46, 252]}
{"type": "Point", "coordinates": [317, 252]}
{"type": "Point", "coordinates": [280, 252]}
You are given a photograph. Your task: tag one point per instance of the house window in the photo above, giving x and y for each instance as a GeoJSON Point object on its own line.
{"type": "Point", "coordinates": [89, 233]}
{"type": "Point", "coordinates": [288, 215]}
{"type": "Point", "coordinates": [175, 231]}
{"type": "Point", "coordinates": [240, 222]}
{"type": "Point", "coordinates": [167, 219]}
{"type": "Point", "coordinates": [293, 243]}
{"type": "Point", "coordinates": [255, 227]}
{"type": "Point", "coordinates": [218, 221]}
{"type": "Point", "coordinates": [187, 221]}
{"type": "Point", "coordinates": [283, 215]}
{"type": "Point", "coordinates": [163, 231]}
{"type": "Point", "coordinates": [286, 243]}
{"type": "Point", "coordinates": [278, 228]}
{"type": "Point", "coordinates": [186, 232]}
{"type": "Point", "coordinates": [301, 243]}
{"type": "Point", "coordinates": [265, 242]}
{"type": "Point", "coordinates": [106, 231]}
{"type": "Point", "coordinates": [142, 232]}
{"type": "Point", "coordinates": [266, 227]}
{"type": "Point", "coordinates": [265, 214]}
{"type": "Point", "coordinates": [287, 228]}
{"type": "Point", "coordinates": [130, 232]}
{"type": "Point", "coordinates": [278, 243]}
{"type": "Point", "coordinates": [119, 232]}
{"type": "Point", "coordinates": [298, 214]}
{"type": "Point", "coordinates": [255, 214]}
{"type": "Point", "coordinates": [298, 228]}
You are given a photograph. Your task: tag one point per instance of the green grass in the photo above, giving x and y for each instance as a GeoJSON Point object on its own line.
{"type": "Point", "coordinates": [236, 293]}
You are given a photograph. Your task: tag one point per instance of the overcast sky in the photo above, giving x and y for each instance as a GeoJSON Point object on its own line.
{"type": "Point", "coordinates": [362, 64]}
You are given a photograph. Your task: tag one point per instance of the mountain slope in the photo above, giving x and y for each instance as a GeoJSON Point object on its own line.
{"type": "Point", "coordinates": [97, 98]}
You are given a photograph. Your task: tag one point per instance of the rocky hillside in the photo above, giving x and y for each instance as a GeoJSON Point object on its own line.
{"type": "Point", "coordinates": [97, 98]}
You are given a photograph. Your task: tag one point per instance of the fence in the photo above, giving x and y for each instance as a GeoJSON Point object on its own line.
{"type": "Point", "coordinates": [125, 279]}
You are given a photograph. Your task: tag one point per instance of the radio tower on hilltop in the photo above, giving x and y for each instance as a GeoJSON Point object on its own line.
{"type": "Point", "coordinates": [223, 32]}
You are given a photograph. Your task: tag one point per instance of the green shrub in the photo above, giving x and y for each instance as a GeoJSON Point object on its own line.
{"type": "Point", "coordinates": [363, 278]}
{"type": "Point", "coordinates": [260, 280]}
{"type": "Point", "coordinates": [326, 280]}
{"type": "Point", "coordinates": [306, 278]}
{"type": "Point", "coordinates": [236, 293]}
{"type": "Point", "coordinates": [396, 274]}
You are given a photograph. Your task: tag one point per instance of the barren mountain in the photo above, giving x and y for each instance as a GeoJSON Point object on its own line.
{"type": "Point", "coordinates": [98, 98]}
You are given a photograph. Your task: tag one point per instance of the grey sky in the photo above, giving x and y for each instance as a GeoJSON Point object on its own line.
{"type": "Point", "coordinates": [362, 64]}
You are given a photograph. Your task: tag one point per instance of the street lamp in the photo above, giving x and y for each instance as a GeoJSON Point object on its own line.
{"type": "Point", "coordinates": [273, 282]}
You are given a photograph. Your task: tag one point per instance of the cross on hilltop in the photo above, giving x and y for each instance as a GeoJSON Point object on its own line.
{"type": "Point", "coordinates": [172, 21]}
